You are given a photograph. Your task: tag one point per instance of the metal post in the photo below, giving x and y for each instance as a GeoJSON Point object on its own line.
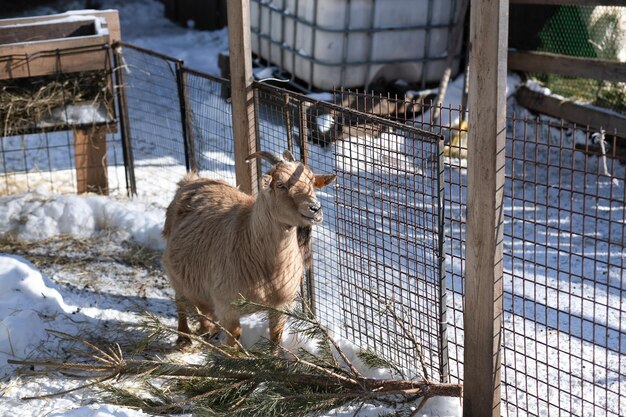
{"type": "Point", "coordinates": [127, 148]}
{"type": "Point", "coordinates": [185, 118]}
{"type": "Point", "coordinates": [444, 364]}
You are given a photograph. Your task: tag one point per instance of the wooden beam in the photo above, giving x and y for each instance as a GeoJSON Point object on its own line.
{"type": "Point", "coordinates": [25, 33]}
{"type": "Point", "coordinates": [111, 18]}
{"type": "Point", "coordinates": [570, 2]}
{"type": "Point", "coordinates": [485, 179]}
{"type": "Point", "coordinates": [29, 60]}
{"type": "Point", "coordinates": [583, 116]}
{"type": "Point", "coordinates": [90, 153]}
{"type": "Point", "coordinates": [36, 58]}
{"type": "Point", "coordinates": [242, 95]}
{"type": "Point", "coordinates": [570, 66]}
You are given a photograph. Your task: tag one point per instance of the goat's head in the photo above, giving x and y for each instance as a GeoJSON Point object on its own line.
{"type": "Point", "coordinates": [292, 186]}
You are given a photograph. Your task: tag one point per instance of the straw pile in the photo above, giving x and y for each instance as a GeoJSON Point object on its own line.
{"type": "Point", "coordinates": [31, 104]}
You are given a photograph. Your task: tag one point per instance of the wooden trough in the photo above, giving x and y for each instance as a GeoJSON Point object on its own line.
{"type": "Point", "coordinates": [38, 51]}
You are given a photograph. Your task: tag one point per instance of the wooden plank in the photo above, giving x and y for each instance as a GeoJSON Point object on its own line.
{"type": "Point", "coordinates": [571, 2]}
{"type": "Point", "coordinates": [110, 16]}
{"type": "Point", "coordinates": [91, 164]}
{"type": "Point", "coordinates": [51, 45]}
{"type": "Point", "coordinates": [242, 95]}
{"type": "Point", "coordinates": [485, 178]}
{"type": "Point", "coordinates": [570, 66]}
{"type": "Point", "coordinates": [29, 33]}
{"type": "Point", "coordinates": [36, 58]}
{"type": "Point", "coordinates": [595, 118]}
{"type": "Point", "coordinates": [25, 60]}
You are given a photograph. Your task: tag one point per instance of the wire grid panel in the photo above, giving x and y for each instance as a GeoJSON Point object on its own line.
{"type": "Point", "coordinates": [156, 122]}
{"type": "Point", "coordinates": [43, 120]}
{"type": "Point", "coordinates": [420, 114]}
{"type": "Point", "coordinates": [377, 271]}
{"type": "Point", "coordinates": [587, 31]}
{"type": "Point", "coordinates": [564, 258]}
{"type": "Point", "coordinates": [563, 265]}
{"type": "Point", "coordinates": [209, 125]}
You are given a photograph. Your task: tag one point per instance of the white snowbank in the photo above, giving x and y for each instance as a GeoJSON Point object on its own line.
{"type": "Point", "coordinates": [38, 216]}
{"type": "Point", "coordinates": [28, 301]}
{"type": "Point", "coordinates": [100, 410]}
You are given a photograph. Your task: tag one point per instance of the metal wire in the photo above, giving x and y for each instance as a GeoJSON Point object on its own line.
{"type": "Point", "coordinates": [38, 148]}
{"type": "Point", "coordinates": [379, 249]}
{"type": "Point", "coordinates": [377, 257]}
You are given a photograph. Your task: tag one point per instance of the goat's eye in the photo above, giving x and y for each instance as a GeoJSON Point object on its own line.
{"type": "Point", "coordinates": [281, 185]}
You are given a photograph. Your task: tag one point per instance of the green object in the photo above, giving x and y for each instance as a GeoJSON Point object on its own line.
{"type": "Point", "coordinates": [566, 33]}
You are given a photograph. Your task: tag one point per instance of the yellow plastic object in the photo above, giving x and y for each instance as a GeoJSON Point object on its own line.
{"type": "Point", "coordinates": [457, 148]}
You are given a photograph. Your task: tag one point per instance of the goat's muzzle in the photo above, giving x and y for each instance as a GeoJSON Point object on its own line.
{"type": "Point", "coordinates": [314, 213]}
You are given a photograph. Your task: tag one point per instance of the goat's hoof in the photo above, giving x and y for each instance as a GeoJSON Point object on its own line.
{"type": "Point", "coordinates": [211, 337]}
{"type": "Point", "coordinates": [183, 342]}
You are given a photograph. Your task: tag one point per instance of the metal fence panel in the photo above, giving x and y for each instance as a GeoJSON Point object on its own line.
{"type": "Point", "coordinates": [377, 257]}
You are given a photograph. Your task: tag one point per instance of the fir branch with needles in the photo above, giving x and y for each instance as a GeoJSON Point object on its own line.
{"type": "Point", "coordinates": [232, 382]}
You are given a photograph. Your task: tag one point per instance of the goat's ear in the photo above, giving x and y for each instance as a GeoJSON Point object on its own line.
{"type": "Point", "coordinates": [266, 181]}
{"type": "Point", "coordinates": [322, 180]}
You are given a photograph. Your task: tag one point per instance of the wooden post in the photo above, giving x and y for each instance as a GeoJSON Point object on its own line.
{"type": "Point", "coordinates": [485, 179]}
{"type": "Point", "coordinates": [242, 95]}
{"type": "Point", "coordinates": [90, 152]}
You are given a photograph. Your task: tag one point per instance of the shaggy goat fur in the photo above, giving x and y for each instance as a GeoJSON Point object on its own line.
{"type": "Point", "coordinates": [223, 244]}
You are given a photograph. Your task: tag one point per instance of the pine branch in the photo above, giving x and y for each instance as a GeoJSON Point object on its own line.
{"type": "Point", "coordinates": [309, 318]}
{"type": "Point", "coordinates": [233, 382]}
{"type": "Point", "coordinates": [407, 332]}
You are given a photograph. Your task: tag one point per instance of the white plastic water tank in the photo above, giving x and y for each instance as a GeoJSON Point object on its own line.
{"type": "Point", "coordinates": [351, 43]}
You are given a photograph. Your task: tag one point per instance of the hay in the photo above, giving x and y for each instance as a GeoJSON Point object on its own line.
{"type": "Point", "coordinates": [34, 104]}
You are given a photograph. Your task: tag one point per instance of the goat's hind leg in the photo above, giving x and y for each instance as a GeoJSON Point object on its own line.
{"type": "Point", "coordinates": [277, 325]}
{"type": "Point", "coordinates": [183, 326]}
{"type": "Point", "coordinates": [207, 322]}
{"type": "Point", "coordinates": [230, 323]}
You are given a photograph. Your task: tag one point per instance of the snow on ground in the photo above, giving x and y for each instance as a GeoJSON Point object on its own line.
{"type": "Point", "coordinates": [95, 289]}
{"type": "Point", "coordinates": [106, 291]}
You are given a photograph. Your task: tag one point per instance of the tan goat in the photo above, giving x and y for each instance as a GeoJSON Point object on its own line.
{"type": "Point", "coordinates": [223, 244]}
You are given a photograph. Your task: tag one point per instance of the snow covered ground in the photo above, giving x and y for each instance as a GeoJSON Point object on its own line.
{"type": "Point", "coordinates": [99, 285]}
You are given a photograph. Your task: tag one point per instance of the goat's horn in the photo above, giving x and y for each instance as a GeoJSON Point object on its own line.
{"type": "Point", "coordinates": [288, 156]}
{"type": "Point", "coordinates": [270, 157]}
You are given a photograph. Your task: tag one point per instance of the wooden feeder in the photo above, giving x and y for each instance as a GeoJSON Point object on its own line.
{"type": "Point", "coordinates": [67, 49]}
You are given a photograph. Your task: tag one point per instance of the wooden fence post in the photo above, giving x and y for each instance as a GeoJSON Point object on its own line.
{"type": "Point", "coordinates": [485, 179]}
{"type": "Point", "coordinates": [90, 153]}
{"type": "Point", "coordinates": [242, 95]}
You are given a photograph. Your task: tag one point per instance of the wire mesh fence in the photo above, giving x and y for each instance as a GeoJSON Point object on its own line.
{"type": "Point", "coordinates": [178, 120]}
{"type": "Point", "coordinates": [564, 257]}
{"type": "Point", "coordinates": [589, 31]}
{"type": "Point", "coordinates": [564, 260]}
{"type": "Point", "coordinates": [53, 125]}
{"type": "Point", "coordinates": [377, 271]}
{"type": "Point", "coordinates": [379, 248]}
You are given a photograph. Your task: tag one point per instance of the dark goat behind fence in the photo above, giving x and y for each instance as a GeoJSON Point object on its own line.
{"type": "Point", "coordinates": [388, 261]}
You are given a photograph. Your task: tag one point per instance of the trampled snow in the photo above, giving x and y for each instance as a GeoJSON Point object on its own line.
{"type": "Point", "coordinates": [38, 303]}
{"type": "Point", "coordinates": [31, 305]}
